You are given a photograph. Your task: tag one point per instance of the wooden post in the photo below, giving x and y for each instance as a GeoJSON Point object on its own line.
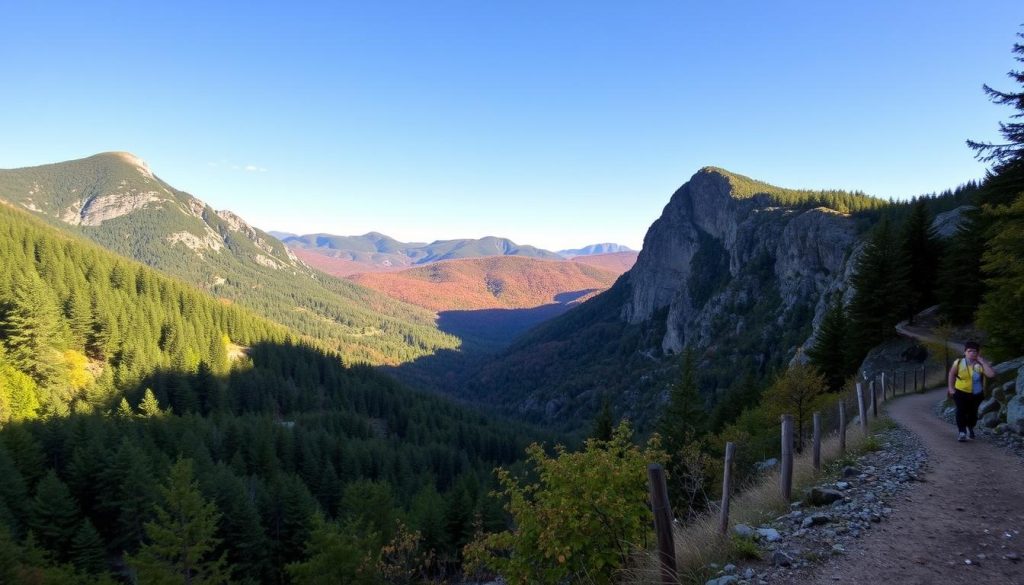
{"type": "Point", "coordinates": [883, 386]}
{"type": "Point", "coordinates": [874, 401]}
{"type": "Point", "coordinates": [787, 457]}
{"type": "Point", "coordinates": [842, 427]}
{"type": "Point", "coordinates": [817, 442]}
{"type": "Point", "coordinates": [723, 520]}
{"type": "Point", "coordinates": [662, 523]}
{"type": "Point", "coordinates": [862, 410]}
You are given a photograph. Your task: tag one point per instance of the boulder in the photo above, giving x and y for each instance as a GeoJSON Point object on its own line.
{"type": "Point", "coordinates": [850, 471]}
{"type": "Point", "coordinates": [1015, 405]}
{"type": "Point", "coordinates": [823, 496]}
{"type": "Point", "coordinates": [987, 406]}
{"type": "Point", "coordinates": [743, 531]}
{"type": "Point", "coordinates": [990, 420]}
{"type": "Point", "coordinates": [769, 534]}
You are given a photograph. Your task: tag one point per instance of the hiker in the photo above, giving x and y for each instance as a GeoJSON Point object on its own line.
{"type": "Point", "coordinates": [966, 387]}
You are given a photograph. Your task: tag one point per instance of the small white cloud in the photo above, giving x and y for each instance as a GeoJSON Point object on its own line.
{"type": "Point", "coordinates": [255, 169]}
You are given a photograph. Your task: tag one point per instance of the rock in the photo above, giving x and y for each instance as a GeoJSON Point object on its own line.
{"type": "Point", "coordinates": [767, 464]}
{"type": "Point", "coordinates": [1015, 405]}
{"type": "Point", "coordinates": [815, 520]}
{"type": "Point", "coordinates": [987, 406]}
{"type": "Point", "coordinates": [781, 559]}
{"type": "Point", "coordinates": [729, 569]}
{"type": "Point", "coordinates": [1014, 364]}
{"type": "Point", "coordinates": [749, 574]}
{"type": "Point", "coordinates": [769, 534]}
{"type": "Point", "coordinates": [1001, 428]}
{"type": "Point", "coordinates": [1001, 393]}
{"type": "Point", "coordinates": [823, 497]}
{"type": "Point", "coordinates": [726, 580]}
{"type": "Point", "coordinates": [743, 531]}
{"type": "Point", "coordinates": [990, 420]}
{"type": "Point", "coordinates": [843, 485]}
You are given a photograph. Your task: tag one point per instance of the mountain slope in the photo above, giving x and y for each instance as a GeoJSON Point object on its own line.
{"type": "Point", "coordinates": [115, 200]}
{"type": "Point", "coordinates": [504, 282]}
{"type": "Point", "coordinates": [735, 268]}
{"type": "Point", "coordinates": [617, 262]}
{"type": "Point", "coordinates": [605, 248]}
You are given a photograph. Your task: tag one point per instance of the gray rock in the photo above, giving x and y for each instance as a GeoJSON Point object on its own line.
{"type": "Point", "coordinates": [990, 420]}
{"type": "Point", "coordinates": [987, 406]}
{"type": "Point", "coordinates": [743, 531]}
{"type": "Point", "coordinates": [1015, 405]}
{"type": "Point", "coordinates": [1014, 364]}
{"type": "Point", "coordinates": [843, 485]}
{"type": "Point", "coordinates": [769, 534]}
{"type": "Point", "coordinates": [781, 559]}
{"type": "Point", "coordinates": [823, 497]}
{"type": "Point", "coordinates": [815, 520]}
{"type": "Point", "coordinates": [726, 580]}
{"type": "Point", "coordinates": [1001, 428]}
{"type": "Point", "coordinates": [729, 569]}
{"type": "Point", "coordinates": [749, 574]}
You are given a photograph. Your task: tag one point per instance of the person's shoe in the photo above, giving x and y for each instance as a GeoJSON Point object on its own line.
{"type": "Point", "coordinates": [970, 433]}
{"type": "Point", "coordinates": [962, 437]}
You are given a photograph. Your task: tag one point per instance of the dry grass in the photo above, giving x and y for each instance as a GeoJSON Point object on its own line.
{"type": "Point", "coordinates": [699, 543]}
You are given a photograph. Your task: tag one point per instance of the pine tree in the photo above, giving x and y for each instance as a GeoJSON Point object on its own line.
{"type": "Point", "coordinates": [921, 250]}
{"type": "Point", "coordinates": [604, 424]}
{"type": "Point", "coordinates": [881, 291]}
{"type": "Point", "coordinates": [182, 538]}
{"type": "Point", "coordinates": [683, 418]}
{"type": "Point", "coordinates": [1009, 154]}
{"type": "Point", "coordinates": [31, 331]}
{"type": "Point", "coordinates": [1002, 313]}
{"type": "Point", "coordinates": [830, 353]}
{"type": "Point", "coordinates": [150, 406]}
{"type": "Point", "coordinates": [87, 550]}
{"type": "Point", "coordinates": [55, 516]}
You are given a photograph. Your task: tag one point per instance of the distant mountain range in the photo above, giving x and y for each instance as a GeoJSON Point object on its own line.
{"type": "Point", "coordinates": [375, 252]}
{"type": "Point", "coordinates": [594, 249]}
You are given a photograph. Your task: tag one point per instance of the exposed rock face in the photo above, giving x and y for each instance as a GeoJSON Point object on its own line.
{"type": "Point", "coordinates": [712, 255]}
{"type": "Point", "coordinates": [946, 224]}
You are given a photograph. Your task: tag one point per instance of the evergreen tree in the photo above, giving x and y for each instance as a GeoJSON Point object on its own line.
{"type": "Point", "coordinates": [31, 331]}
{"type": "Point", "coordinates": [182, 538]}
{"type": "Point", "coordinates": [683, 418]}
{"type": "Point", "coordinates": [55, 516]}
{"type": "Point", "coordinates": [604, 423]}
{"type": "Point", "coordinates": [830, 353]}
{"type": "Point", "coordinates": [150, 406]}
{"type": "Point", "coordinates": [1002, 313]}
{"type": "Point", "coordinates": [961, 282]}
{"type": "Point", "coordinates": [1010, 154]}
{"type": "Point", "coordinates": [921, 250]}
{"type": "Point", "coordinates": [881, 292]}
{"type": "Point", "coordinates": [87, 550]}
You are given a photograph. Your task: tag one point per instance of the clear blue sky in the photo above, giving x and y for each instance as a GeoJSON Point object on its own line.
{"type": "Point", "coordinates": [556, 124]}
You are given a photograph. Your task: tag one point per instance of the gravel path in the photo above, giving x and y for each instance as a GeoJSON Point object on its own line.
{"type": "Point", "coordinates": [963, 524]}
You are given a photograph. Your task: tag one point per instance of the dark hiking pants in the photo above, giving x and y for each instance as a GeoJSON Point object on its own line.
{"type": "Point", "coordinates": [966, 409]}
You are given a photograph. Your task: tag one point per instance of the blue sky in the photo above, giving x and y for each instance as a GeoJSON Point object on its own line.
{"type": "Point", "coordinates": [556, 124]}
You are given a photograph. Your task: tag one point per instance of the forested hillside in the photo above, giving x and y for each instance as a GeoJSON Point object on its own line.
{"type": "Point", "coordinates": [115, 200]}
{"type": "Point", "coordinates": [110, 373]}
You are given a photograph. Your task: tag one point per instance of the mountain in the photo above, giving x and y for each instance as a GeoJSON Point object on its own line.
{"type": "Point", "coordinates": [617, 262]}
{"type": "Point", "coordinates": [594, 249]}
{"type": "Point", "coordinates": [487, 302]}
{"type": "Point", "coordinates": [117, 201]}
{"type": "Point", "coordinates": [735, 268]}
{"type": "Point", "coordinates": [281, 235]}
{"type": "Point", "coordinates": [373, 252]}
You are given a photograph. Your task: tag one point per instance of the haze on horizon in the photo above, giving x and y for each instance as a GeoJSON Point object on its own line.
{"type": "Point", "coordinates": [556, 126]}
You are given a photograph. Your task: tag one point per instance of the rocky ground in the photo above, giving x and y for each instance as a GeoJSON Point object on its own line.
{"type": "Point", "coordinates": [834, 515]}
{"type": "Point", "coordinates": [921, 509]}
{"type": "Point", "coordinates": [999, 436]}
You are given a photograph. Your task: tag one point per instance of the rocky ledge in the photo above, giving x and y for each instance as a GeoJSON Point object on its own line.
{"type": "Point", "coordinates": [832, 516]}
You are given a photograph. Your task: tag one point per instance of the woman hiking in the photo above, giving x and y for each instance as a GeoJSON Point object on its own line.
{"type": "Point", "coordinates": [966, 386]}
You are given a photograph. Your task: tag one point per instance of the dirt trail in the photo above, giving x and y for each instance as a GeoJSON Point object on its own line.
{"type": "Point", "coordinates": [970, 507]}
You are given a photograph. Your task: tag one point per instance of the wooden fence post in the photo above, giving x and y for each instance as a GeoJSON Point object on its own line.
{"type": "Point", "coordinates": [662, 523]}
{"type": "Point", "coordinates": [861, 409]}
{"type": "Point", "coordinates": [723, 520]}
{"type": "Point", "coordinates": [883, 386]}
{"type": "Point", "coordinates": [842, 427]}
{"type": "Point", "coordinates": [874, 401]}
{"type": "Point", "coordinates": [787, 457]}
{"type": "Point", "coordinates": [817, 442]}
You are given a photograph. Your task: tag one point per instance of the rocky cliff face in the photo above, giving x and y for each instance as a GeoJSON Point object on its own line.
{"type": "Point", "coordinates": [713, 256]}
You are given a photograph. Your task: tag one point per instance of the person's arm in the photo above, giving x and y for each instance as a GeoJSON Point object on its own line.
{"type": "Point", "coordinates": [951, 379]}
{"type": "Point", "coordinates": [986, 367]}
